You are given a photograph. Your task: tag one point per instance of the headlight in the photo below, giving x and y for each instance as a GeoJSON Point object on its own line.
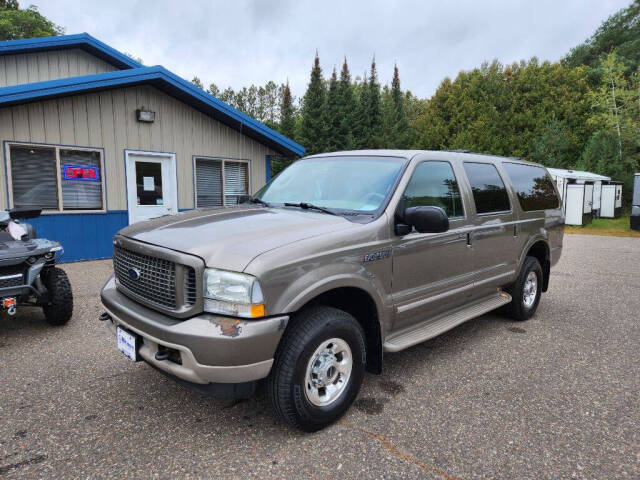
{"type": "Point", "coordinates": [232, 293]}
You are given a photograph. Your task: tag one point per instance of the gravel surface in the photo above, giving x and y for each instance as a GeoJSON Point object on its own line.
{"type": "Point", "coordinates": [554, 397]}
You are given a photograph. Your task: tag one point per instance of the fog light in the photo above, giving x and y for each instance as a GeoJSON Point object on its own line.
{"type": "Point", "coordinates": [49, 255]}
{"type": "Point", "coordinates": [31, 260]}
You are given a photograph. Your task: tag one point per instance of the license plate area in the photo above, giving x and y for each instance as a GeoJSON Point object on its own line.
{"type": "Point", "coordinates": [128, 343]}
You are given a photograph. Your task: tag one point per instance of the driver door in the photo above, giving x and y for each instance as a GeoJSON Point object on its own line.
{"type": "Point", "coordinates": [432, 272]}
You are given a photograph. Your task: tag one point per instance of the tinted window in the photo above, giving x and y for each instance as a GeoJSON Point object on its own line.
{"type": "Point", "coordinates": [433, 184]}
{"type": "Point", "coordinates": [534, 187]}
{"type": "Point", "coordinates": [488, 189]}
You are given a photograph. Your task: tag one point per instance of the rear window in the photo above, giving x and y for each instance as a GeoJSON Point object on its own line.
{"type": "Point", "coordinates": [533, 185]}
{"type": "Point", "coordinates": [489, 193]}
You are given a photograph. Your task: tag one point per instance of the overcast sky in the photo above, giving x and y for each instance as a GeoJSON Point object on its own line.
{"type": "Point", "coordinates": [239, 42]}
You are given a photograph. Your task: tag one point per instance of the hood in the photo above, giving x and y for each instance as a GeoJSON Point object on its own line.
{"type": "Point", "coordinates": [229, 238]}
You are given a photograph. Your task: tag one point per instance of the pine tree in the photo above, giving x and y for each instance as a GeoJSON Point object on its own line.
{"type": "Point", "coordinates": [361, 125]}
{"type": "Point", "coordinates": [197, 83]}
{"type": "Point", "coordinates": [343, 134]}
{"type": "Point", "coordinates": [399, 130]}
{"type": "Point", "coordinates": [375, 116]}
{"type": "Point", "coordinates": [333, 114]}
{"type": "Point", "coordinates": [312, 124]}
{"type": "Point", "coordinates": [287, 113]}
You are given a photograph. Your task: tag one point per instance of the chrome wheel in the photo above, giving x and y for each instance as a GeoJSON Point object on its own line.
{"type": "Point", "coordinates": [328, 372]}
{"type": "Point", "coordinates": [530, 290]}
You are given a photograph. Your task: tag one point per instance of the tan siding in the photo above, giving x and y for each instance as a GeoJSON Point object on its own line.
{"type": "Point", "coordinates": [108, 120]}
{"type": "Point", "coordinates": [51, 65]}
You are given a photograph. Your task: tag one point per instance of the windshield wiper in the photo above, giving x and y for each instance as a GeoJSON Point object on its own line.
{"type": "Point", "coordinates": [310, 206]}
{"type": "Point", "coordinates": [260, 201]}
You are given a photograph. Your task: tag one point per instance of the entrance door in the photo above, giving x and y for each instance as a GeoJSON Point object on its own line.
{"type": "Point", "coordinates": [151, 185]}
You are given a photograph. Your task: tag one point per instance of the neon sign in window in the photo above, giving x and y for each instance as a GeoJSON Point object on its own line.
{"type": "Point", "coordinates": [87, 173]}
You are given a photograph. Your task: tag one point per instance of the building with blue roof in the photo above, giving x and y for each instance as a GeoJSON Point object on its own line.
{"type": "Point", "coordinates": [99, 141]}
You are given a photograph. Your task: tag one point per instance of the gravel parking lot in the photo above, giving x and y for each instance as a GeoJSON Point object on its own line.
{"type": "Point", "coordinates": [554, 397]}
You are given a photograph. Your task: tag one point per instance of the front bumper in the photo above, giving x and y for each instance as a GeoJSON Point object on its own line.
{"type": "Point", "coordinates": [213, 349]}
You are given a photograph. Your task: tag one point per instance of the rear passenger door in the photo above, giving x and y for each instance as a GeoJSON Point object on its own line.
{"type": "Point", "coordinates": [492, 238]}
{"type": "Point", "coordinates": [432, 272]}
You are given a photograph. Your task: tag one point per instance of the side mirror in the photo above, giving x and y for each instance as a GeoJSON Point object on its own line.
{"type": "Point", "coordinates": [244, 199]}
{"type": "Point", "coordinates": [427, 219]}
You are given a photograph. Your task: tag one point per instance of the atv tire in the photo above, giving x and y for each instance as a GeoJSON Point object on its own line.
{"type": "Point", "coordinates": [60, 307]}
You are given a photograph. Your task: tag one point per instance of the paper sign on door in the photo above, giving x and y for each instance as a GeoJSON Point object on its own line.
{"type": "Point", "coordinates": [148, 184]}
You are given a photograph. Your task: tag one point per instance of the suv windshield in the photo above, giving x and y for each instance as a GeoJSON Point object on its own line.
{"type": "Point", "coordinates": [359, 184]}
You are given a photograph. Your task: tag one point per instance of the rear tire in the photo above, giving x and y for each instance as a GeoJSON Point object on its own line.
{"type": "Point", "coordinates": [60, 307]}
{"type": "Point", "coordinates": [526, 291]}
{"type": "Point", "coordinates": [318, 368]}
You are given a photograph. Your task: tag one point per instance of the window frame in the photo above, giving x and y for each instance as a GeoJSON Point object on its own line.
{"type": "Point", "coordinates": [57, 147]}
{"type": "Point", "coordinates": [222, 161]}
{"type": "Point", "coordinates": [453, 170]}
{"type": "Point", "coordinates": [504, 184]}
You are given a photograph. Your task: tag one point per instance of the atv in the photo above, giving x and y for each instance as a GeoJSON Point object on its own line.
{"type": "Point", "coordinates": [28, 275]}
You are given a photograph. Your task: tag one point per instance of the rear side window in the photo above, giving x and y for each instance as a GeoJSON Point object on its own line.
{"type": "Point", "coordinates": [433, 184]}
{"type": "Point", "coordinates": [534, 187]}
{"type": "Point", "coordinates": [489, 193]}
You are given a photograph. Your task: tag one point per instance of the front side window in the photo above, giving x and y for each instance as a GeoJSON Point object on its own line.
{"type": "Point", "coordinates": [534, 186]}
{"type": "Point", "coordinates": [56, 178]}
{"type": "Point", "coordinates": [489, 192]}
{"type": "Point", "coordinates": [220, 182]}
{"type": "Point", "coordinates": [433, 184]}
{"type": "Point", "coordinates": [357, 184]}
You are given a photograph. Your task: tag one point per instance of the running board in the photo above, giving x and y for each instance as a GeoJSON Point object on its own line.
{"type": "Point", "coordinates": [441, 324]}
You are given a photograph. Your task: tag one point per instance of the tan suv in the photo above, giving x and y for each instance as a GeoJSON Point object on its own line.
{"type": "Point", "coordinates": [340, 258]}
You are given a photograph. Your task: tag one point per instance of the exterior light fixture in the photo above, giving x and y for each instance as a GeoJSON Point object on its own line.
{"type": "Point", "coordinates": [145, 116]}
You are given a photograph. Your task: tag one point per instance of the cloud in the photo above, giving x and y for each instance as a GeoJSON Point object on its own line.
{"type": "Point", "coordinates": [236, 43]}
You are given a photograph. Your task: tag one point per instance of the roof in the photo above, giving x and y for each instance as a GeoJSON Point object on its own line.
{"type": "Point", "coordinates": [82, 40]}
{"type": "Point", "coordinates": [435, 154]}
{"type": "Point", "coordinates": [577, 174]}
{"type": "Point", "coordinates": [132, 73]}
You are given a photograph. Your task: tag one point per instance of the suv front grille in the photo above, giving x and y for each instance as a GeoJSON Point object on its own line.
{"type": "Point", "coordinates": [157, 277]}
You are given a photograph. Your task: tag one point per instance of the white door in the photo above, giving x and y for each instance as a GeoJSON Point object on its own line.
{"type": "Point", "coordinates": [608, 201]}
{"type": "Point", "coordinates": [151, 185]}
{"type": "Point", "coordinates": [574, 204]}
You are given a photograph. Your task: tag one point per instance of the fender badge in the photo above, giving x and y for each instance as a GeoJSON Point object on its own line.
{"type": "Point", "coordinates": [379, 255]}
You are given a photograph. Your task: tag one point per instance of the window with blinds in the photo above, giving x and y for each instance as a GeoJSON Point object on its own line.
{"type": "Point", "coordinates": [210, 182]}
{"type": "Point", "coordinates": [34, 177]}
{"type": "Point", "coordinates": [235, 181]}
{"type": "Point", "coordinates": [56, 178]}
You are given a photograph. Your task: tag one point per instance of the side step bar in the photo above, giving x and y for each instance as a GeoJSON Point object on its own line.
{"type": "Point", "coordinates": [435, 327]}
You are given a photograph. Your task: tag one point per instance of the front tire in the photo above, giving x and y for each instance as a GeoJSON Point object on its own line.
{"type": "Point", "coordinates": [526, 291]}
{"type": "Point", "coordinates": [60, 307]}
{"type": "Point", "coordinates": [318, 368]}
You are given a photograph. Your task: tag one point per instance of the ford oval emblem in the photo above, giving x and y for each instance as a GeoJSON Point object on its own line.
{"type": "Point", "coordinates": [134, 273]}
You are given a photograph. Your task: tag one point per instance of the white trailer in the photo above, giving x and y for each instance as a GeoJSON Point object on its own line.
{"type": "Point", "coordinates": [635, 204]}
{"type": "Point", "coordinates": [590, 199]}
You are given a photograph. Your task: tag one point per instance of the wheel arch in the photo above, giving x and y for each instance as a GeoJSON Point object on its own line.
{"type": "Point", "coordinates": [539, 249]}
{"type": "Point", "coordinates": [355, 298]}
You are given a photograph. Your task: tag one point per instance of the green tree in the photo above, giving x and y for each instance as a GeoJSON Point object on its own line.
{"type": "Point", "coordinates": [196, 82]}
{"type": "Point", "coordinates": [620, 33]}
{"type": "Point", "coordinates": [333, 114]}
{"type": "Point", "coordinates": [396, 130]}
{"type": "Point", "coordinates": [313, 130]}
{"type": "Point", "coordinates": [214, 90]}
{"type": "Point", "coordinates": [343, 132]}
{"type": "Point", "coordinates": [287, 113]}
{"type": "Point", "coordinates": [374, 117]}
{"type": "Point", "coordinates": [17, 23]}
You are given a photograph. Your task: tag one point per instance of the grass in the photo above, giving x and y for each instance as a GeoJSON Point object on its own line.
{"type": "Point", "coordinates": [615, 227]}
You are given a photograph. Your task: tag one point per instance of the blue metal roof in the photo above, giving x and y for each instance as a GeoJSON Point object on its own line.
{"type": "Point", "coordinates": [131, 73]}
{"type": "Point", "coordinates": [162, 79]}
{"type": "Point", "coordinates": [81, 40]}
